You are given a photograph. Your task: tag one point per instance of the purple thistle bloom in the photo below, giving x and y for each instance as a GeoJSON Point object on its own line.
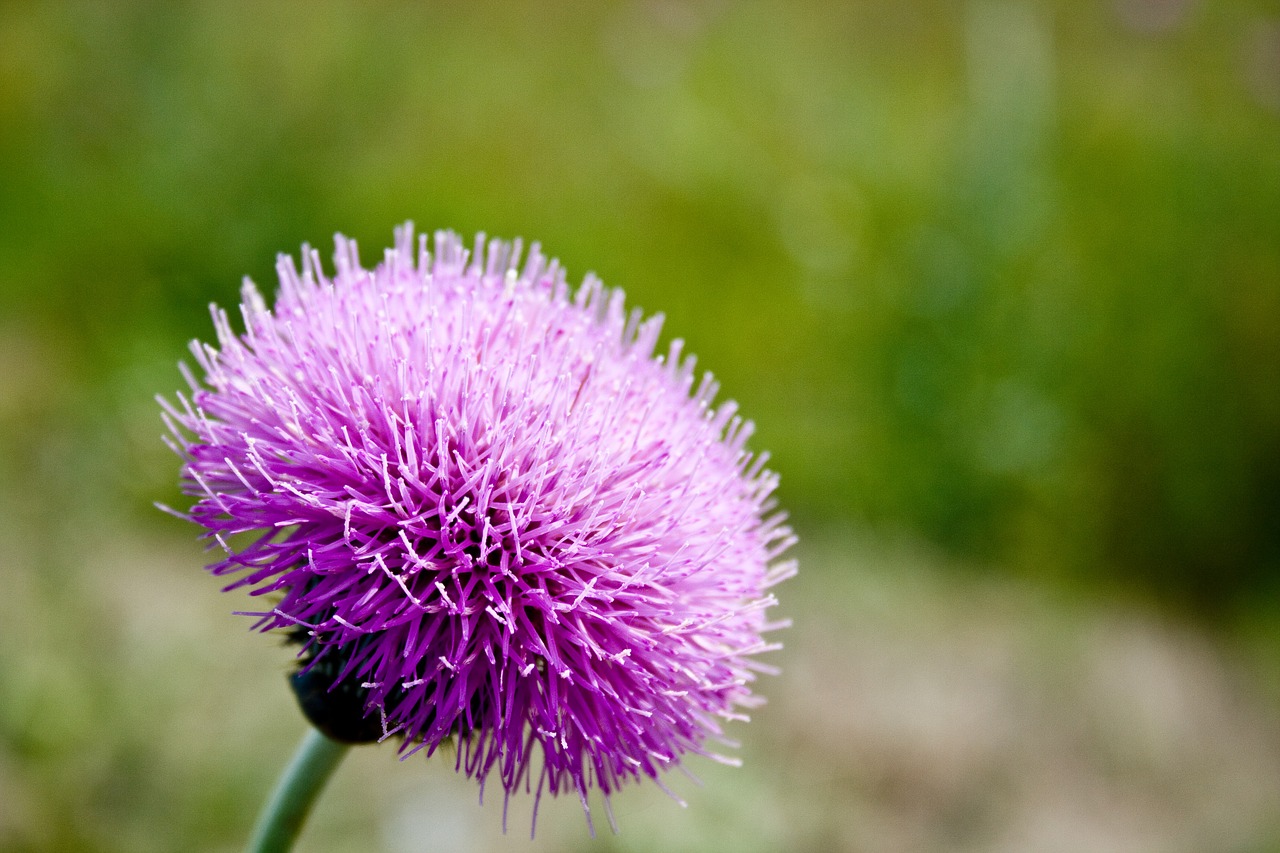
{"type": "Point", "coordinates": [488, 511]}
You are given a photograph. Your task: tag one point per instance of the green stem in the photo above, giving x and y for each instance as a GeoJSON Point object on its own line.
{"type": "Point", "coordinates": [302, 781]}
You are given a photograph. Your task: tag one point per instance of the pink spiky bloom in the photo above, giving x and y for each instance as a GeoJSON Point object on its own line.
{"type": "Point", "coordinates": [488, 510]}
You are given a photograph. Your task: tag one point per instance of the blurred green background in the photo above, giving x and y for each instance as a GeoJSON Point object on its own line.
{"type": "Point", "coordinates": [999, 282]}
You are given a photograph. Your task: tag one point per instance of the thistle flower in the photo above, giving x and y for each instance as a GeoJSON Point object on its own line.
{"type": "Point", "coordinates": [487, 511]}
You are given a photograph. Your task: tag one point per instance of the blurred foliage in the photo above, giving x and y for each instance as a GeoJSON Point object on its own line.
{"type": "Point", "coordinates": [1004, 274]}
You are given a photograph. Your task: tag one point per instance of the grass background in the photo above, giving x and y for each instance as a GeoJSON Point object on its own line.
{"type": "Point", "coordinates": [999, 282]}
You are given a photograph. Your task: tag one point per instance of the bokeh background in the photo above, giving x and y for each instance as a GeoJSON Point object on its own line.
{"type": "Point", "coordinates": [998, 280]}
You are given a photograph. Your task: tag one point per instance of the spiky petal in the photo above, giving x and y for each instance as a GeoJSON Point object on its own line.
{"type": "Point", "coordinates": [490, 506]}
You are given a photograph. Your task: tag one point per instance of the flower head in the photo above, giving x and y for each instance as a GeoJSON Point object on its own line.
{"type": "Point", "coordinates": [487, 511]}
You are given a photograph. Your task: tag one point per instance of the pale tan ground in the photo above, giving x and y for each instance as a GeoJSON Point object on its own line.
{"type": "Point", "coordinates": [919, 710]}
